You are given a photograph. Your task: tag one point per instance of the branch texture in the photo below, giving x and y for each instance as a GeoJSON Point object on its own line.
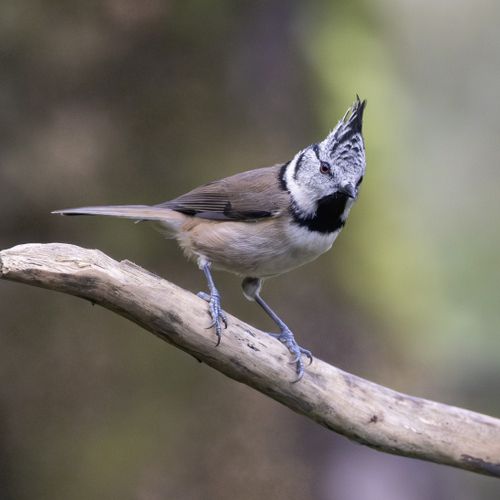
{"type": "Point", "coordinates": [361, 410]}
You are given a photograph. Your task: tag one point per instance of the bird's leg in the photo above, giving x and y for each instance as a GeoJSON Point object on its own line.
{"type": "Point", "coordinates": [251, 289]}
{"type": "Point", "coordinates": [213, 299]}
{"type": "Point", "coordinates": [286, 337]}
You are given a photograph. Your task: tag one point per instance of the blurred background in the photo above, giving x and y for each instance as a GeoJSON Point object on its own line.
{"type": "Point", "coordinates": [128, 101]}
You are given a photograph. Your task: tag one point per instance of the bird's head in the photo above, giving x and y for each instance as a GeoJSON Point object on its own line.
{"type": "Point", "coordinates": [332, 168]}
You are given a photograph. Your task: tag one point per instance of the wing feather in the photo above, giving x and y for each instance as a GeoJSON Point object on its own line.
{"type": "Point", "coordinates": [248, 196]}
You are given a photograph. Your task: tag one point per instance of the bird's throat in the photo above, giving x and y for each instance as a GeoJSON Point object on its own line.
{"type": "Point", "coordinates": [330, 215]}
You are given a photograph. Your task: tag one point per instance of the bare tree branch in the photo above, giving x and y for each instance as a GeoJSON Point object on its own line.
{"type": "Point", "coordinates": [361, 410]}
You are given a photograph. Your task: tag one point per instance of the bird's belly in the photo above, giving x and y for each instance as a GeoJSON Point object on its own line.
{"type": "Point", "coordinates": [259, 250]}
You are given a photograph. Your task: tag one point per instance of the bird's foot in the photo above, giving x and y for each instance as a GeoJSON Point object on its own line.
{"type": "Point", "coordinates": [217, 314]}
{"type": "Point", "coordinates": [286, 337]}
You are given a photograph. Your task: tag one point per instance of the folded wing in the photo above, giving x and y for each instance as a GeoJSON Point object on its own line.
{"type": "Point", "coordinates": [247, 196]}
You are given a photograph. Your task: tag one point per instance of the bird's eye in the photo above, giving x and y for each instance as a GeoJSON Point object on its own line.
{"type": "Point", "coordinates": [324, 168]}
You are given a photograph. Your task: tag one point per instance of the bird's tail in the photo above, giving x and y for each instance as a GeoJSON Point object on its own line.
{"type": "Point", "coordinates": [168, 221]}
{"type": "Point", "coordinates": [135, 212]}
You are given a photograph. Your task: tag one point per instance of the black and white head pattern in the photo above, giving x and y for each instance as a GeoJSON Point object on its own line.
{"type": "Point", "coordinates": [323, 179]}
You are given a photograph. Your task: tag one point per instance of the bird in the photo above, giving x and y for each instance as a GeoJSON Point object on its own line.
{"type": "Point", "coordinates": [263, 222]}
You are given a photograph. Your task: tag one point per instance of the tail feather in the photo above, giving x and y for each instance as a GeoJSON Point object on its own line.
{"type": "Point", "coordinates": [135, 212]}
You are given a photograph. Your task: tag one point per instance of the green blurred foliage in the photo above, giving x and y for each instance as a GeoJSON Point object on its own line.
{"type": "Point", "coordinates": [122, 101]}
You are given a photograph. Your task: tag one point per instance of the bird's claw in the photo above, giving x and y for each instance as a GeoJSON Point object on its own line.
{"type": "Point", "coordinates": [286, 337]}
{"type": "Point", "coordinates": [216, 313]}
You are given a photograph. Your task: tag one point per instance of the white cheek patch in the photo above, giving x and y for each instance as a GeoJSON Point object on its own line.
{"type": "Point", "coordinates": [302, 196]}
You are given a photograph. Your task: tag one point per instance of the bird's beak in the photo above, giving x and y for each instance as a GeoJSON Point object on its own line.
{"type": "Point", "coordinates": [349, 190]}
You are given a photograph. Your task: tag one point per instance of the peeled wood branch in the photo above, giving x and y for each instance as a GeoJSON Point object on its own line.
{"type": "Point", "coordinates": [361, 410]}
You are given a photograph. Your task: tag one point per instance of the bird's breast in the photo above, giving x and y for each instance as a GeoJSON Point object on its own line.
{"type": "Point", "coordinates": [259, 249]}
{"type": "Point", "coordinates": [306, 244]}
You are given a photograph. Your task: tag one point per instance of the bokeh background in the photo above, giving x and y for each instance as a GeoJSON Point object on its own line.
{"type": "Point", "coordinates": [129, 101]}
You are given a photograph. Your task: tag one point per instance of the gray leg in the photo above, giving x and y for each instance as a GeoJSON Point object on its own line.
{"type": "Point", "coordinates": [213, 299]}
{"type": "Point", "coordinates": [251, 289]}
